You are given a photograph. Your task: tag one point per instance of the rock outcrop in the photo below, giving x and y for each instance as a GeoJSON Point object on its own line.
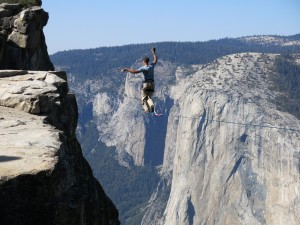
{"type": "Point", "coordinates": [22, 41]}
{"type": "Point", "coordinates": [44, 178]}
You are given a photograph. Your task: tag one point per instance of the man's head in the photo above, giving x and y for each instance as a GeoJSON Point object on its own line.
{"type": "Point", "coordinates": [146, 60]}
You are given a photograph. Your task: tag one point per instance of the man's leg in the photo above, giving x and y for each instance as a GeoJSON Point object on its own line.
{"type": "Point", "coordinates": [150, 102]}
{"type": "Point", "coordinates": [146, 95]}
{"type": "Point", "coordinates": [145, 104]}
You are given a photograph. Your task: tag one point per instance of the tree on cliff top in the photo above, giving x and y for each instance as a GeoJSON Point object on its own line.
{"type": "Point", "coordinates": [25, 3]}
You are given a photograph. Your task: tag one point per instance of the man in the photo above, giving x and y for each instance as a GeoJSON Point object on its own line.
{"type": "Point", "coordinates": [148, 84]}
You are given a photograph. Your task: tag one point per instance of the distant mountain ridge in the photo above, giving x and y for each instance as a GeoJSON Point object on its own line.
{"type": "Point", "coordinates": [273, 40]}
{"type": "Point", "coordinates": [104, 60]}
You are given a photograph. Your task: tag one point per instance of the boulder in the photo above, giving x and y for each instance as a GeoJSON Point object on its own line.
{"type": "Point", "coordinates": [31, 20]}
{"type": "Point", "coordinates": [11, 6]}
{"type": "Point", "coordinates": [8, 23]}
{"type": "Point", "coordinates": [18, 39]}
{"type": "Point", "coordinates": [31, 40]}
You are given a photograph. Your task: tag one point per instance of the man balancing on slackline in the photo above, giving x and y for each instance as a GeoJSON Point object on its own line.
{"type": "Point", "coordinates": [148, 84]}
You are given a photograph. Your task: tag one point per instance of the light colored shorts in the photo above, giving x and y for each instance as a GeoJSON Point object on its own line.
{"type": "Point", "coordinates": [146, 96]}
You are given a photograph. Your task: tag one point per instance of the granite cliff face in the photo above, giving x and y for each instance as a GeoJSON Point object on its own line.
{"type": "Point", "coordinates": [226, 154]}
{"type": "Point", "coordinates": [44, 178]}
{"type": "Point", "coordinates": [231, 156]}
{"type": "Point", "coordinates": [22, 41]}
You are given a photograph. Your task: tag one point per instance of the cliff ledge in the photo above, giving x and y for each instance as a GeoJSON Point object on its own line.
{"type": "Point", "coordinates": [44, 178]}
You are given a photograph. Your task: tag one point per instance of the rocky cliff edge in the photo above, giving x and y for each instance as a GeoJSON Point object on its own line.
{"type": "Point", "coordinates": [44, 178]}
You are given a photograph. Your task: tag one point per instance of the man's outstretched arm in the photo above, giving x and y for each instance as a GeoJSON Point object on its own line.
{"type": "Point", "coordinates": [130, 70]}
{"type": "Point", "coordinates": [153, 50]}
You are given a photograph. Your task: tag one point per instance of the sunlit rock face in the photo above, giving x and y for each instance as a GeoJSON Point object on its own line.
{"type": "Point", "coordinates": [231, 156]}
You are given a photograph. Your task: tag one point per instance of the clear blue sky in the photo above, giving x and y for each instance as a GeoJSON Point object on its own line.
{"type": "Point", "coordinates": [98, 23]}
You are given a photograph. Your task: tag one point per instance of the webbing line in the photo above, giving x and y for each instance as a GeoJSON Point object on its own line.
{"type": "Point", "coordinates": [244, 124]}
